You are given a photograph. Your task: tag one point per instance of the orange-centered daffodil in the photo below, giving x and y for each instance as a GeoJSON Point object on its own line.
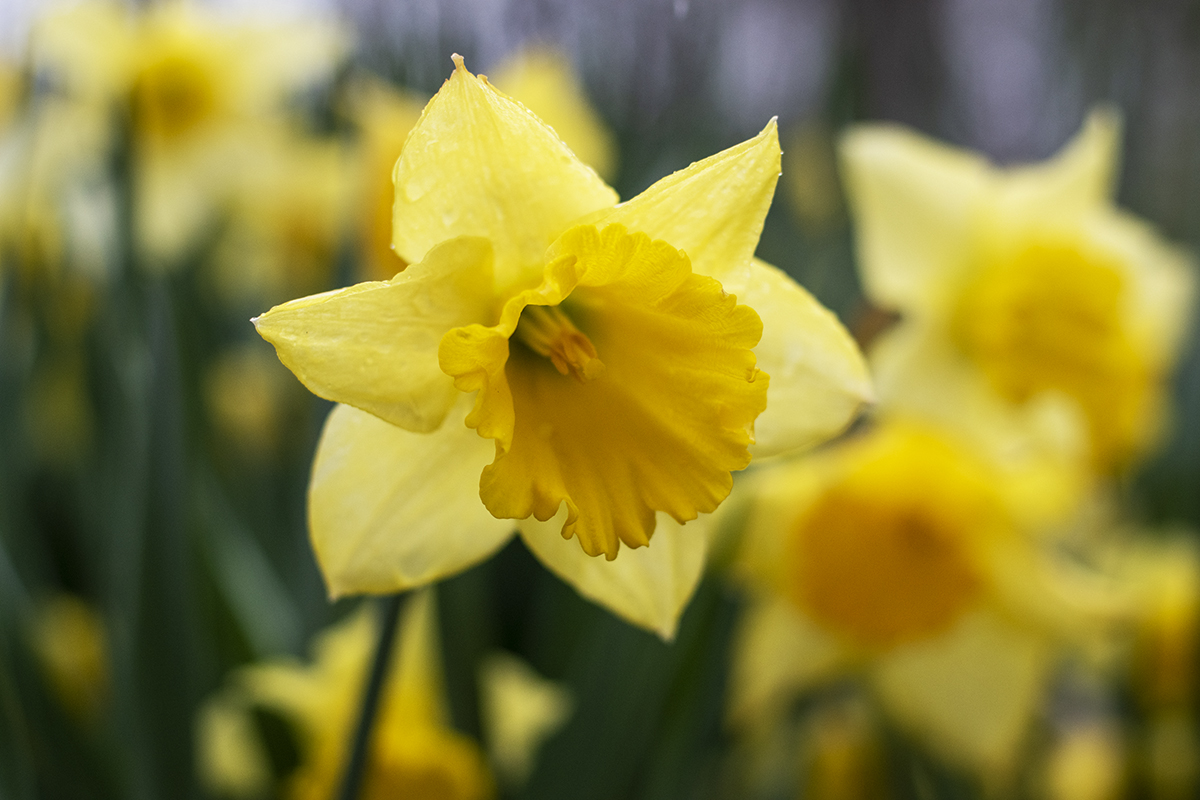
{"type": "Point", "coordinates": [915, 558]}
{"type": "Point", "coordinates": [610, 361]}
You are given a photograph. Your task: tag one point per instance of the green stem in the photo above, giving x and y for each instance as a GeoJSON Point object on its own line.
{"type": "Point", "coordinates": [352, 779]}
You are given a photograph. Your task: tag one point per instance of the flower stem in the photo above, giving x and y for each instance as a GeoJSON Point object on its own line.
{"type": "Point", "coordinates": [352, 779]}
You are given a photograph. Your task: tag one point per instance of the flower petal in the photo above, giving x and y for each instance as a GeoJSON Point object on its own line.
{"type": "Point", "coordinates": [390, 509]}
{"type": "Point", "coordinates": [1080, 177]}
{"type": "Point", "coordinates": [479, 164]}
{"type": "Point", "coordinates": [543, 80]}
{"type": "Point", "coordinates": [913, 201]}
{"type": "Point", "coordinates": [714, 209]}
{"type": "Point", "coordinates": [660, 430]}
{"type": "Point", "coordinates": [1161, 283]}
{"type": "Point", "coordinates": [520, 710]}
{"type": "Point", "coordinates": [374, 345]}
{"type": "Point", "coordinates": [648, 587]}
{"type": "Point", "coordinates": [777, 654]}
{"type": "Point", "coordinates": [819, 378]}
{"type": "Point", "coordinates": [972, 692]}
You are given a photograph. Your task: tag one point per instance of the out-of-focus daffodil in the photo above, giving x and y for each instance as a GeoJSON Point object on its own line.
{"type": "Point", "coordinates": [70, 642]}
{"type": "Point", "coordinates": [414, 752]}
{"type": "Point", "coordinates": [617, 379]}
{"type": "Point", "coordinates": [1017, 284]}
{"type": "Point", "coordinates": [195, 88]}
{"type": "Point", "coordinates": [905, 556]}
{"type": "Point", "coordinates": [520, 710]}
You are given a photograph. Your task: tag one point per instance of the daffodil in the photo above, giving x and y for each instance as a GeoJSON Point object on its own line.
{"type": "Point", "coordinates": [907, 556]}
{"type": "Point", "coordinates": [1017, 285]}
{"type": "Point", "coordinates": [596, 353]}
{"type": "Point", "coordinates": [414, 752]}
{"type": "Point", "coordinates": [193, 87]}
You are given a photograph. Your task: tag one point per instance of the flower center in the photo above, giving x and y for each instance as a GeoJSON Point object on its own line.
{"type": "Point", "coordinates": [1052, 320]}
{"type": "Point", "coordinates": [884, 555]}
{"type": "Point", "coordinates": [549, 332]}
{"type": "Point", "coordinates": [172, 96]}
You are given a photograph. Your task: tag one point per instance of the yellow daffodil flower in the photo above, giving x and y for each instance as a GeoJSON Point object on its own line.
{"type": "Point", "coordinates": [414, 752]}
{"type": "Point", "coordinates": [616, 381]}
{"type": "Point", "coordinates": [195, 88]}
{"type": "Point", "coordinates": [904, 555]}
{"type": "Point", "coordinates": [1017, 285]}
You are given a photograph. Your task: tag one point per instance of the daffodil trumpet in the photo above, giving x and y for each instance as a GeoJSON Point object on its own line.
{"type": "Point", "coordinates": [611, 362]}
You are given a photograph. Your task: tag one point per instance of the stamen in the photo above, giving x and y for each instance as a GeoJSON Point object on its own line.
{"type": "Point", "coordinates": [549, 332]}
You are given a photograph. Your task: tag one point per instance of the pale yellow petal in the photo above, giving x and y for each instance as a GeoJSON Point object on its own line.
{"type": "Point", "coordinates": [390, 510]}
{"type": "Point", "coordinates": [914, 203]}
{"type": "Point", "coordinates": [229, 754]}
{"type": "Point", "coordinates": [714, 209]}
{"type": "Point", "coordinates": [971, 693]}
{"type": "Point", "coordinates": [375, 345]}
{"type": "Point", "coordinates": [479, 164]}
{"type": "Point", "coordinates": [319, 697]}
{"type": "Point", "coordinates": [520, 709]}
{"type": "Point", "coordinates": [648, 587]}
{"type": "Point", "coordinates": [1080, 177]}
{"type": "Point", "coordinates": [1160, 285]}
{"type": "Point", "coordinates": [777, 655]}
{"type": "Point", "coordinates": [543, 80]}
{"type": "Point", "coordinates": [819, 379]}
